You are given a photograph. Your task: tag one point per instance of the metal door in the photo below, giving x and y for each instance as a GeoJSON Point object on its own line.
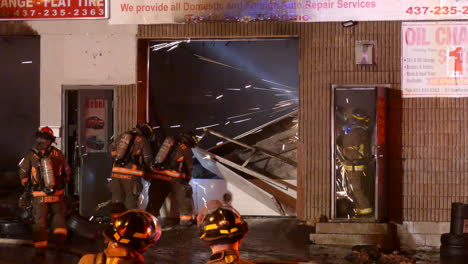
{"type": "Point", "coordinates": [95, 129]}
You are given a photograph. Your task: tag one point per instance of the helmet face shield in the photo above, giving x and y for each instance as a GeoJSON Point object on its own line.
{"type": "Point", "coordinates": [222, 225]}
{"type": "Point", "coordinates": [135, 229]}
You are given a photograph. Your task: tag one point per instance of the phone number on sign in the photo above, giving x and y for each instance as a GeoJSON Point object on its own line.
{"type": "Point", "coordinates": [437, 10]}
{"type": "Point", "coordinates": [59, 13]}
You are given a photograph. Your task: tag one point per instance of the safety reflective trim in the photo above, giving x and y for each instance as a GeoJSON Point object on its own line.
{"type": "Point", "coordinates": [233, 230]}
{"type": "Point", "coordinates": [224, 231]}
{"type": "Point", "coordinates": [185, 217]}
{"type": "Point", "coordinates": [124, 240]}
{"type": "Point", "coordinates": [359, 117]}
{"type": "Point", "coordinates": [238, 220]}
{"type": "Point", "coordinates": [116, 236]}
{"type": "Point", "coordinates": [140, 235]}
{"type": "Point", "coordinates": [364, 211]}
{"type": "Point", "coordinates": [60, 230]}
{"type": "Point", "coordinates": [171, 173]}
{"type": "Point", "coordinates": [355, 167]}
{"type": "Point", "coordinates": [122, 176]}
{"type": "Point", "coordinates": [181, 158]}
{"type": "Point", "coordinates": [40, 244]}
{"type": "Point", "coordinates": [211, 227]}
{"type": "Point", "coordinates": [127, 171]}
{"type": "Point", "coordinates": [24, 180]}
{"type": "Point", "coordinates": [39, 193]}
{"type": "Point", "coordinates": [229, 259]}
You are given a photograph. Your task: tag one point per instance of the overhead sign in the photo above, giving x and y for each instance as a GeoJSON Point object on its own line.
{"type": "Point", "coordinates": [52, 9]}
{"type": "Point", "coordinates": [432, 59]}
{"type": "Point", "coordinates": [183, 11]}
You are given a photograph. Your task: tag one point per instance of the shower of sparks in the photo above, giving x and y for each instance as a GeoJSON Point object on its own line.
{"type": "Point", "coordinates": [219, 96]}
{"type": "Point", "coordinates": [199, 128]}
{"type": "Point", "coordinates": [174, 126]}
{"type": "Point", "coordinates": [243, 120]}
{"type": "Point", "coordinates": [215, 62]}
{"type": "Point", "coordinates": [278, 84]}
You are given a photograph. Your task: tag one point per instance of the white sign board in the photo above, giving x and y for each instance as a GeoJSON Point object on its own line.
{"type": "Point", "coordinates": [432, 59]}
{"type": "Point", "coordinates": [183, 11]}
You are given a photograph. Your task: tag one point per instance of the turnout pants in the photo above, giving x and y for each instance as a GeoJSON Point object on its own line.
{"type": "Point", "coordinates": [39, 228]}
{"type": "Point", "coordinates": [126, 191]}
{"type": "Point", "coordinates": [182, 191]}
{"type": "Point", "coordinates": [356, 179]}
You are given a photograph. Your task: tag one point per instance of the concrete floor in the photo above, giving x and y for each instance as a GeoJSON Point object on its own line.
{"type": "Point", "coordinates": [274, 239]}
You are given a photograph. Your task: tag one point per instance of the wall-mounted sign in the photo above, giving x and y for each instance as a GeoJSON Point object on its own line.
{"type": "Point", "coordinates": [53, 9]}
{"type": "Point", "coordinates": [432, 59]}
{"type": "Point", "coordinates": [183, 11]}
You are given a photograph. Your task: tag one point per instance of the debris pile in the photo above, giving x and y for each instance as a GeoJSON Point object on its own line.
{"type": "Point", "coordinates": [376, 255]}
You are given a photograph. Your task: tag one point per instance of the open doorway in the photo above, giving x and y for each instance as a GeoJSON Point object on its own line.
{"type": "Point", "coordinates": [88, 128]}
{"type": "Point", "coordinates": [244, 89]}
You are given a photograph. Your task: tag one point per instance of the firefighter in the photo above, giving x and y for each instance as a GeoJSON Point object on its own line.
{"type": "Point", "coordinates": [356, 147]}
{"type": "Point", "coordinates": [45, 171]}
{"type": "Point", "coordinates": [222, 229]}
{"type": "Point", "coordinates": [131, 234]}
{"type": "Point", "coordinates": [131, 153]}
{"type": "Point", "coordinates": [173, 175]}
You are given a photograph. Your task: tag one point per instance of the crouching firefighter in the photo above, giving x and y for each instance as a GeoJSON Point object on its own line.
{"type": "Point", "coordinates": [131, 234]}
{"type": "Point", "coordinates": [222, 229]}
{"type": "Point", "coordinates": [46, 170]}
{"type": "Point", "coordinates": [131, 153]}
{"type": "Point", "coordinates": [172, 173]}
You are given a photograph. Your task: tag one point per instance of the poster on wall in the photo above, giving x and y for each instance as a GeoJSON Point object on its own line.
{"type": "Point", "coordinates": [189, 11]}
{"type": "Point", "coordinates": [432, 59]}
{"type": "Point", "coordinates": [53, 9]}
{"type": "Point", "coordinates": [95, 124]}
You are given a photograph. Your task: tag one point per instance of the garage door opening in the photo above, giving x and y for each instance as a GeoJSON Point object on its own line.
{"type": "Point", "coordinates": [245, 90]}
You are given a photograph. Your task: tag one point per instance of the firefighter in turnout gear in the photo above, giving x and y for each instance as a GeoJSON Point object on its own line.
{"type": "Point", "coordinates": [132, 156]}
{"type": "Point", "coordinates": [172, 173]}
{"type": "Point", "coordinates": [44, 171]}
{"type": "Point", "coordinates": [356, 147]}
{"type": "Point", "coordinates": [131, 234]}
{"type": "Point", "coordinates": [222, 229]}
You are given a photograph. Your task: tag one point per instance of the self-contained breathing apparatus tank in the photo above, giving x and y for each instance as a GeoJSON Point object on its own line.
{"type": "Point", "coordinates": [163, 152]}
{"type": "Point", "coordinates": [122, 148]}
{"type": "Point", "coordinates": [47, 174]}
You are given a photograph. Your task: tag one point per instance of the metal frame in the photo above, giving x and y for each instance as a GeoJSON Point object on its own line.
{"type": "Point", "coordinates": [333, 217]}
{"type": "Point", "coordinates": [254, 150]}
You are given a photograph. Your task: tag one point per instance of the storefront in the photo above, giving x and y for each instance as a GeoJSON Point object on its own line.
{"type": "Point", "coordinates": [425, 139]}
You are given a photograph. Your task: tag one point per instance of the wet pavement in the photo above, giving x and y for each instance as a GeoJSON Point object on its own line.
{"type": "Point", "coordinates": [273, 239]}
